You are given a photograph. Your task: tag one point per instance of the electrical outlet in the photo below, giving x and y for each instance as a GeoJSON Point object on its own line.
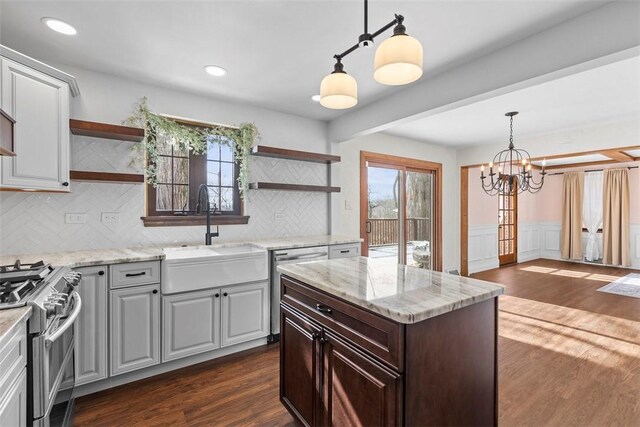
{"type": "Point", "coordinates": [110, 217]}
{"type": "Point", "coordinates": [279, 216]}
{"type": "Point", "coordinates": [75, 218]}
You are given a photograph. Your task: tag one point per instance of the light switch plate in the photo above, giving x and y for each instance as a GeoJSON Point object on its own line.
{"type": "Point", "coordinates": [110, 217]}
{"type": "Point", "coordinates": [75, 218]}
{"type": "Point", "coordinates": [347, 205]}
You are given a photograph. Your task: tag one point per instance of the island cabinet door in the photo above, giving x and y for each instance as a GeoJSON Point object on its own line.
{"type": "Point", "coordinates": [299, 366]}
{"type": "Point", "coordinates": [357, 390]}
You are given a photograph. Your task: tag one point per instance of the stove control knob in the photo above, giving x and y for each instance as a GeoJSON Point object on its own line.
{"type": "Point", "coordinates": [53, 308]}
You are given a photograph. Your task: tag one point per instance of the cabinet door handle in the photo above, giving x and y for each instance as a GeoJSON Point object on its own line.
{"type": "Point", "coordinates": [322, 309]}
{"type": "Point", "coordinates": [217, 295]}
{"type": "Point", "coordinates": [155, 291]}
{"type": "Point", "coordinates": [345, 251]}
{"type": "Point", "coordinates": [142, 273]}
{"type": "Point", "coordinates": [65, 184]}
{"type": "Point", "coordinates": [225, 294]}
{"type": "Point", "coordinates": [100, 273]}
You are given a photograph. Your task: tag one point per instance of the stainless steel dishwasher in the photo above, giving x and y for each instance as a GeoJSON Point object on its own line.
{"type": "Point", "coordinates": [288, 256]}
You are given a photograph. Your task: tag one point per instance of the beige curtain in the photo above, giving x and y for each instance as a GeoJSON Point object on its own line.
{"type": "Point", "coordinates": [615, 239]}
{"type": "Point", "coordinates": [571, 237]}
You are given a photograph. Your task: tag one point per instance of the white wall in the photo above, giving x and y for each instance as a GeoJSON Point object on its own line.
{"type": "Point", "coordinates": [347, 174]}
{"type": "Point", "coordinates": [35, 222]}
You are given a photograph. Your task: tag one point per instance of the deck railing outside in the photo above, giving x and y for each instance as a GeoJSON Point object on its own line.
{"type": "Point", "coordinates": [385, 231]}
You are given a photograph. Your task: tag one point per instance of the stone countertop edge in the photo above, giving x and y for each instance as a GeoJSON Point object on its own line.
{"type": "Point", "coordinates": [401, 307]}
{"type": "Point", "coordinates": [94, 257]}
{"type": "Point", "coordinates": [10, 319]}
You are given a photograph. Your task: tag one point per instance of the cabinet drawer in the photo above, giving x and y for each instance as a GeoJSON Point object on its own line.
{"type": "Point", "coordinates": [344, 251]}
{"type": "Point", "coordinates": [380, 337]}
{"type": "Point", "coordinates": [134, 273]}
{"type": "Point", "coordinates": [13, 356]}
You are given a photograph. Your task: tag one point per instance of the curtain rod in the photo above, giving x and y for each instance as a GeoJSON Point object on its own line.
{"type": "Point", "coordinates": [592, 170]}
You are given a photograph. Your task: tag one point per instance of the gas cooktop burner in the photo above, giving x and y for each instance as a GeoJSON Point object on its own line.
{"type": "Point", "coordinates": [19, 272]}
{"type": "Point", "coordinates": [15, 292]}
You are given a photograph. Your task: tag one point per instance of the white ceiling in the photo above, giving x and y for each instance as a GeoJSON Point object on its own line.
{"type": "Point", "coordinates": [604, 94]}
{"type": "Point", "coordinates": [276, 52]}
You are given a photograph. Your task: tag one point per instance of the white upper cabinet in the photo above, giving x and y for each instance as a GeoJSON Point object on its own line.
{"type": "Point", "coordinates": [39, 103]}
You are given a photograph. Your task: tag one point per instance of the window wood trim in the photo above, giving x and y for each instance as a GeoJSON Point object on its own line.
{"type": "Point", "coordinates": [191, 220]}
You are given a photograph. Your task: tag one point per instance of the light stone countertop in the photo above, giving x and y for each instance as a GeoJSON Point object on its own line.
{"type": "Point", "coordinates": [10, 319]}
{"type": "Point", "coordinates": [89, 258]}
{"type": "Point", "coordinates": [397, 292]}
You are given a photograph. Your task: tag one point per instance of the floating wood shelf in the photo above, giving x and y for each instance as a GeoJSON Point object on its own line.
{"type": "Point", "coordinates": [283, 153]}
{"type": "Point", "coordinates": [119, 178]}
{"type": "Point", "coordinates": [292, 187]}
{"type": "Point", "coordinates": [106, 131]}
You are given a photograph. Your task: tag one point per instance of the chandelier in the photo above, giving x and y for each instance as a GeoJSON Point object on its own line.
{"type": "Point", "coordinates": [514, 170]}
{"type": "Point", "coordinates": [398, 61]}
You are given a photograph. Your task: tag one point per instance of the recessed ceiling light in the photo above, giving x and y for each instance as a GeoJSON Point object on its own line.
{"type": "Point", "coordinates": [59, 26]}
{"type": "Point", "coordinates": [315, 98]}
{"type": "Point", "coordinates": [214, 70]}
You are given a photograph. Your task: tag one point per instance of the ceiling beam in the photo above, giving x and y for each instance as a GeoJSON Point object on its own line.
{"type": "Point", "coordinates": [602, 36]}
{"type": "Point", "coordinates": [617, 155]}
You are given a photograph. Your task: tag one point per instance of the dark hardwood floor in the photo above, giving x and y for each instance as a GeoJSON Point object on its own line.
{"type": "Point", "coordinates": [236, 390]}
{"type": "Point", "coordinates": [568, 356]}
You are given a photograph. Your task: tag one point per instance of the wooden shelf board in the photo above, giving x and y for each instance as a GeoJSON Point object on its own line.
{"type": "Point", "coordinates": [106, 177]}
{"type": "Point", "coordinates": [292, 187]}
{"type": "Point", "coordinates": [106, 131]}
{"type": "Point", "coordinates": [283, 153]}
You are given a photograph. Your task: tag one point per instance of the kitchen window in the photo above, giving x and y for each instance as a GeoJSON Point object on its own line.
{"type": "Point", "coordinates": [179, 174]}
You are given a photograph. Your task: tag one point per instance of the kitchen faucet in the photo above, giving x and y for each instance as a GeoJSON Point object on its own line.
{"type": "Point", "coordinates": [208, 235]}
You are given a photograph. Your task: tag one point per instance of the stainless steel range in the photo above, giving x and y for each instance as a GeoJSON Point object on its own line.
{"type": "Point", "coordinates": [55, 305]}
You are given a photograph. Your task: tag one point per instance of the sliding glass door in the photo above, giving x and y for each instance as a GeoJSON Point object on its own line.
{"type": "Point", "coordinates": [399, 216]}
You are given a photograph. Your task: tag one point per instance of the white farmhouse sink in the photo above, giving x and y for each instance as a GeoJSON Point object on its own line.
{"type": "Point", "coordinates": [205, 267]}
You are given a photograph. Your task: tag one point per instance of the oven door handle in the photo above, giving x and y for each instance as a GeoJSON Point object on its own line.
{"type": "Point", "coordinates": [77, 305]}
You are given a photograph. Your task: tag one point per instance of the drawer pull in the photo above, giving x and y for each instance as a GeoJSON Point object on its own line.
{"type": "Point", "coordinates": [345, 251]}
{"type": "Point", "coordinates": [142, 273]}
{"type": "Point", "coordinates": [321, 309]}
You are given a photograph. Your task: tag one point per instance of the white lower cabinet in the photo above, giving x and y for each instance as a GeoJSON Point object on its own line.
{"type": "Point", "coordinates": [13, 402]}
{"type": "Point", "coordinates": [196, 322]}
{"type": "Point", "coordinates": [91, 326]}
{"type": "Point", "coordinates": [135, 328]}
{"type": "Point", "coordinates": [191, 323]}
{"type": "Point", "coordinates": [245, 313]}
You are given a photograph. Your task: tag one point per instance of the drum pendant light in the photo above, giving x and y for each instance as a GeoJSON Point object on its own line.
{"type": "Point", "coordinates": [398, 59]}
{"type": "Point", "coordinates": [338, 90]}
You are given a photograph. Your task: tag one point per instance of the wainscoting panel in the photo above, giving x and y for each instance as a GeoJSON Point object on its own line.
{"type": "Point", "coordinates": [635, 245]}
{"type": "Point", "coordinates": [483, 247]}
{"type": "Point", "coordinates": [528, 241]}
{"type": "Point", "coordinates": [535, 240]}
{"type": "Point", "coordinates": [550, 245]}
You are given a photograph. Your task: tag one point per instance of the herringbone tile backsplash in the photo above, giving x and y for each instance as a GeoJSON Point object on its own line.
{"type": "Point", "coordinates": [35, 222]}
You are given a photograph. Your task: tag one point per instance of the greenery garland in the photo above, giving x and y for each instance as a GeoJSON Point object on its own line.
{"type": "Point", "coordinates": [241, 139]}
